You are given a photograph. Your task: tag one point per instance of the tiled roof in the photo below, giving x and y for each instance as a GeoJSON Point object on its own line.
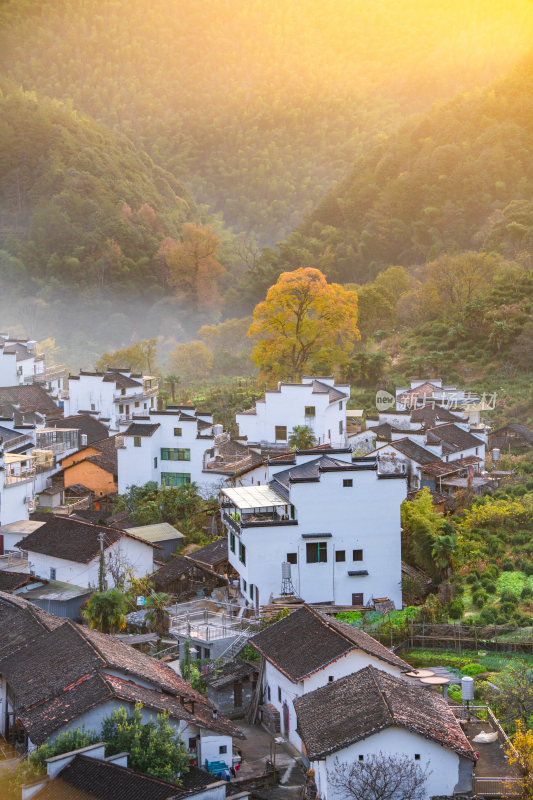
{"type": "Point", "coordinates": [213, 553]}
{"type": "Point", "coordinates": [171, 571]}
{"type": "Point", "coordinates": [141, 429]}
{"type": "Point", "coordinates": [86, 778]}
{"type": "Point", "coordinates": [231, 671]}
{"type": "Point", "coordinates": [306, 641]}
{"type": "Point", "coordinates": [87, 425]}
{"type": "Point", "coordinates": [429, 415]}
{"type": "Point", "coordinates": [31, 672]}
{"type": "Point", "coordinates": [515, 427]}
{"type": "Point", "coordinates": [122, 381]}
{"type": "Point", "coordinates": [70, 539]}
{"type": "Point", "coordinates": [9, 581]}
{"type": "Point", "coordinates": [310, 470]}
{"type": "Point", "coordinates": [455, 437]}
{"type": "Point", "coordinates": [20, 622]}
{"type": "Point", "coordinates": [161, 702]}
{"type": "Point", "coordinates": [30, 398]}
{"type": "Point", "coordinates": [67, 705]}
{"type": "Point", "coordinates": [323, 388]}
{"type": "Point", "coordinates": [424, 390]}
{"type": "Point", "coordinates": [107, 457]}
{"type": "Point", "coordinates": [360, 705]}
{"type": "Point", "coordinates": [414, 451]}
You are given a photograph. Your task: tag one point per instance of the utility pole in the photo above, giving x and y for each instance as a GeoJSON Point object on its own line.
{"type": "Point", "coordinates": [101, 568]}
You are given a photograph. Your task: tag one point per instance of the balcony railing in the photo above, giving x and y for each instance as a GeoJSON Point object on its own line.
{"type": "Point", "coordinates": [50, 374]}
{"type": "Point", "coordinates": [17, 441]}
{"type": "Point", "coordinates": [24, 477]}
{"type": "Point", "coordinates": [256, 520]}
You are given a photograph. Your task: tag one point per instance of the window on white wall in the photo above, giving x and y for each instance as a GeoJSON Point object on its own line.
{"type": "Point", "coordinates": [52, 573]}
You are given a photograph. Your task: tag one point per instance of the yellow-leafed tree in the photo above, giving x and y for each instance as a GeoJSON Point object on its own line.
{"type": "Point", "coordinates": [303, 325]}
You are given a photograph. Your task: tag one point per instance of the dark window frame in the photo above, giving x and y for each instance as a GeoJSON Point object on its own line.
{"type": "Point", "coordinates": [321, 550]}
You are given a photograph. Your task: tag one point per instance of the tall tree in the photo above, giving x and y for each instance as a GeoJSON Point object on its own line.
{"type": "Point", "coordinates": [191, 268]}
{"type": "Point", "coordinates": [106, 611]}
{"type": "Point", "coordinates": [303, 322]}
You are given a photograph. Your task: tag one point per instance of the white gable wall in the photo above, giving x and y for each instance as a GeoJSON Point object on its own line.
{"type": "Point", "coordinates": [274, 680]}
{"type": "Point", "coordinates": [286, 407]}
{"type": "Point", "coordinates": [441, 762]}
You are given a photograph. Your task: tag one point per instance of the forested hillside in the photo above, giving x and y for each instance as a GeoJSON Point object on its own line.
{"type": "Point", "coordinates": [258, 107]}
{"type": "Point", "coordinates": [455, 178]}
{"type": "Point", "coordinates": [79, 206]}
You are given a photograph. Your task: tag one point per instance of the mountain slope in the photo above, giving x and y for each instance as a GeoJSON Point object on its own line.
{"type": "Point", "coordinates": [79, 205]}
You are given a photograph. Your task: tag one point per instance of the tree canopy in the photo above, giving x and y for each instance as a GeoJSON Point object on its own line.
{"type": "Point", "coordinates": [303, 325]}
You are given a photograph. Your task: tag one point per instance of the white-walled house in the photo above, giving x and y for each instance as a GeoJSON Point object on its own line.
{"type": "Point", "coordinates": [170, 447]}
{"type": "Point", "coordinates": [315, 402]}
{"type": "Point", "coordinates": [56, 676]}
{"type": "Point", "coordinates": [113, 397]}
{"type": "Point", "coordinates": [325, 530]}
{"type": "Point", "coordinates": [372, 712]}
{"type": "Point", "coordinates": [68, 550]}
{"type": "Point", "coordinates": [17, 477]}
{"type": "Point", "coordinates": [20, 363]}
{"type": "Point", "coordinates": [305, 651]}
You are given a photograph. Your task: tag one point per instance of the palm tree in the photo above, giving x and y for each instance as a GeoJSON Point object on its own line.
{"type": "Point", "coordinates": [106, 611]}
{"type": "Point", "coordinates": [444, 551]}
{"type": "Point", "coordinates": [157, 617]}
{"type": "Point", "coordinates": [301, 438]}
{"type": "Point", "coordinates": [173, 381]}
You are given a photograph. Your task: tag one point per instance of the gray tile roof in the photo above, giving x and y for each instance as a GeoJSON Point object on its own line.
{"type": "Point", "coordinates": [369, 701]}
{"type": "Point", "coordinates": [306, 641]}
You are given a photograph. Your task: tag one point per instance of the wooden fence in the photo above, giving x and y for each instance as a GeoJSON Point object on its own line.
{"type": "Point", "coordinates": [456, 637]}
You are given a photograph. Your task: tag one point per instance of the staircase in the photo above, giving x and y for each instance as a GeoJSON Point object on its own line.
{"type": "Point", "coordinates": [236, 645]}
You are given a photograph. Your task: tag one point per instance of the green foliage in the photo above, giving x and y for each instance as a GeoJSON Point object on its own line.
{"type": "Point", "coordinates": [472, 669]}
{"type": "Point", "coordinates": [456, 608]}
{"type": "Point", "coordinates": [301, 438]}
{"type": "Point", "coordinates": [155, 747]}
{"type": "Point", "coordinates": [31, 768]}
{"type": "Point", "coordinates": [106, 611]}
{"type": "Point", "coordinates": [180, 506]}
{"type": "Point", "coordinates": [422, 541]}
{"type": "Point", "coordinates": [513, 698]}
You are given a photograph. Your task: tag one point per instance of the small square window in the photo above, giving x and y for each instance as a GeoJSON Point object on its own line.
{"type": "Point", "coordinates": [317, 552]}
{"type": "Point", "coordinates": [347, 482]}
{"type": "Point", "coordinates": [223, 749]}
{"type": "Point", "coordinates": [177, 431]}
{"type": "Point", "coordinates": [281, 433]}
{"type": "Point", "coordinates": [137, 404]}
{"type": "Point", "coordinates": [93, 407]}
{"type": "Point", "coordinates": [331, 678]}
{"type": "Point", "coordinates": [310, 411]}
{"type": "Point", "coordinates": [122, 391]}
{"type": "Point", "coordinates": [417, 756]}
{"type": "Point", "coordinates": [279, 693]}
{"type": "Point", "coordinates": [192, 743]}
{"type": "Point", "coordinates": [52, 573]}
{"type": "Point", "coordinates": [137, 441]}
{"type": "Point", "coordinates": [340, 555]}
{"type": "Point", "coordinates": [361, 758]}
{"type": "Point", "coordinates": [357, 555]}
{"type": "Point", "coordinates": [292, 558]}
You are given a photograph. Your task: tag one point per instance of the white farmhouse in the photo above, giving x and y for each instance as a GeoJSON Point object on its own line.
{"type": "Point", "coordinates": [68, 550]}
{"type": "Point", "coordinates": [171, 447]}
{"type": "Point", "coordinates": [305, 651]}
{"type": "Point", "coordinates": [315, 402]}
{"type": "Point", "coordinates": [20, 363]}
{"type": "Point", "coordinates": [325, 530]}
{"type": "Point", "coordinates": [373, 712]}
{"type": "Point", "coordinates": [112, 397]}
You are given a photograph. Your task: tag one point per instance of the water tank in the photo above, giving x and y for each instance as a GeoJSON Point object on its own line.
{"type": "Point", "coordinates": [285, 571]}
{"type": "Point", "coordinates": [496, 454]}
{"type": "Point", "coordinates": [467, 688]}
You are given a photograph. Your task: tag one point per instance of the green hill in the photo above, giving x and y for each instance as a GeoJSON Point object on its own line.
{"type": "Point", "coordinates": [79, 206]}
{"type": "Point", "coordinates": [455, 178]}
{"type": "Point", "coordinates": [258, 107]}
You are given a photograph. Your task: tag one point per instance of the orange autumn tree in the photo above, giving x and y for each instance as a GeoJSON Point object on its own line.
{"type": "Point", "coordinates": [190, 267]}
{"type": "Point", "coordinates": [304, 324]}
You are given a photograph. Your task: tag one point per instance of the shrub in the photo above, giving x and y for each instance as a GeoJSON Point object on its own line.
{"type": "Point", "coordinates": [456, 608]}
{"type": "Point", "coordinates": [507, 610]}
{"type": "Point", "coordinates": [508, 597]}
{"type": "Point", "coordinates": [479, 598]}
{"type": "Point", "coordinates": [507, 565]}
{"type": "Point", "coordinates": [489, 585]}
{"type": "Point", "coordinates": [471, 669]}
{"type": "Point", "coordinates": [488, 615]}
{"type": "Point", "coordinates": [528, 567]}
{"type": "Point", "coordinates": [491, 571]}
{"type": "Point", "coordinates": [526, 593]}
{"type": "Point", "coordinates": [472, 576]}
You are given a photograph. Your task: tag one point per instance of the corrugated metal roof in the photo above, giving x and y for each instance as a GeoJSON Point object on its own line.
{"type": "Point", "coordinates": [160, 532]}
{"type": "Point", "coordinates": [254, 497]}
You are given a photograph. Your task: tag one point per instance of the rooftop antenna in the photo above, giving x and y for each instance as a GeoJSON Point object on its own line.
{"type": "Point", "coordinates": [287, 587]}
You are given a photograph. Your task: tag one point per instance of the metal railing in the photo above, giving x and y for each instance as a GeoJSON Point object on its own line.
{"type": "Point", "coordinates": [13, 559]}
{"type": "Point", "coordinates": [16, 441]}
{"type": "Point", "coordinates": [11, 480]}
{"type": "Point", "coordinates": [497, 787]}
